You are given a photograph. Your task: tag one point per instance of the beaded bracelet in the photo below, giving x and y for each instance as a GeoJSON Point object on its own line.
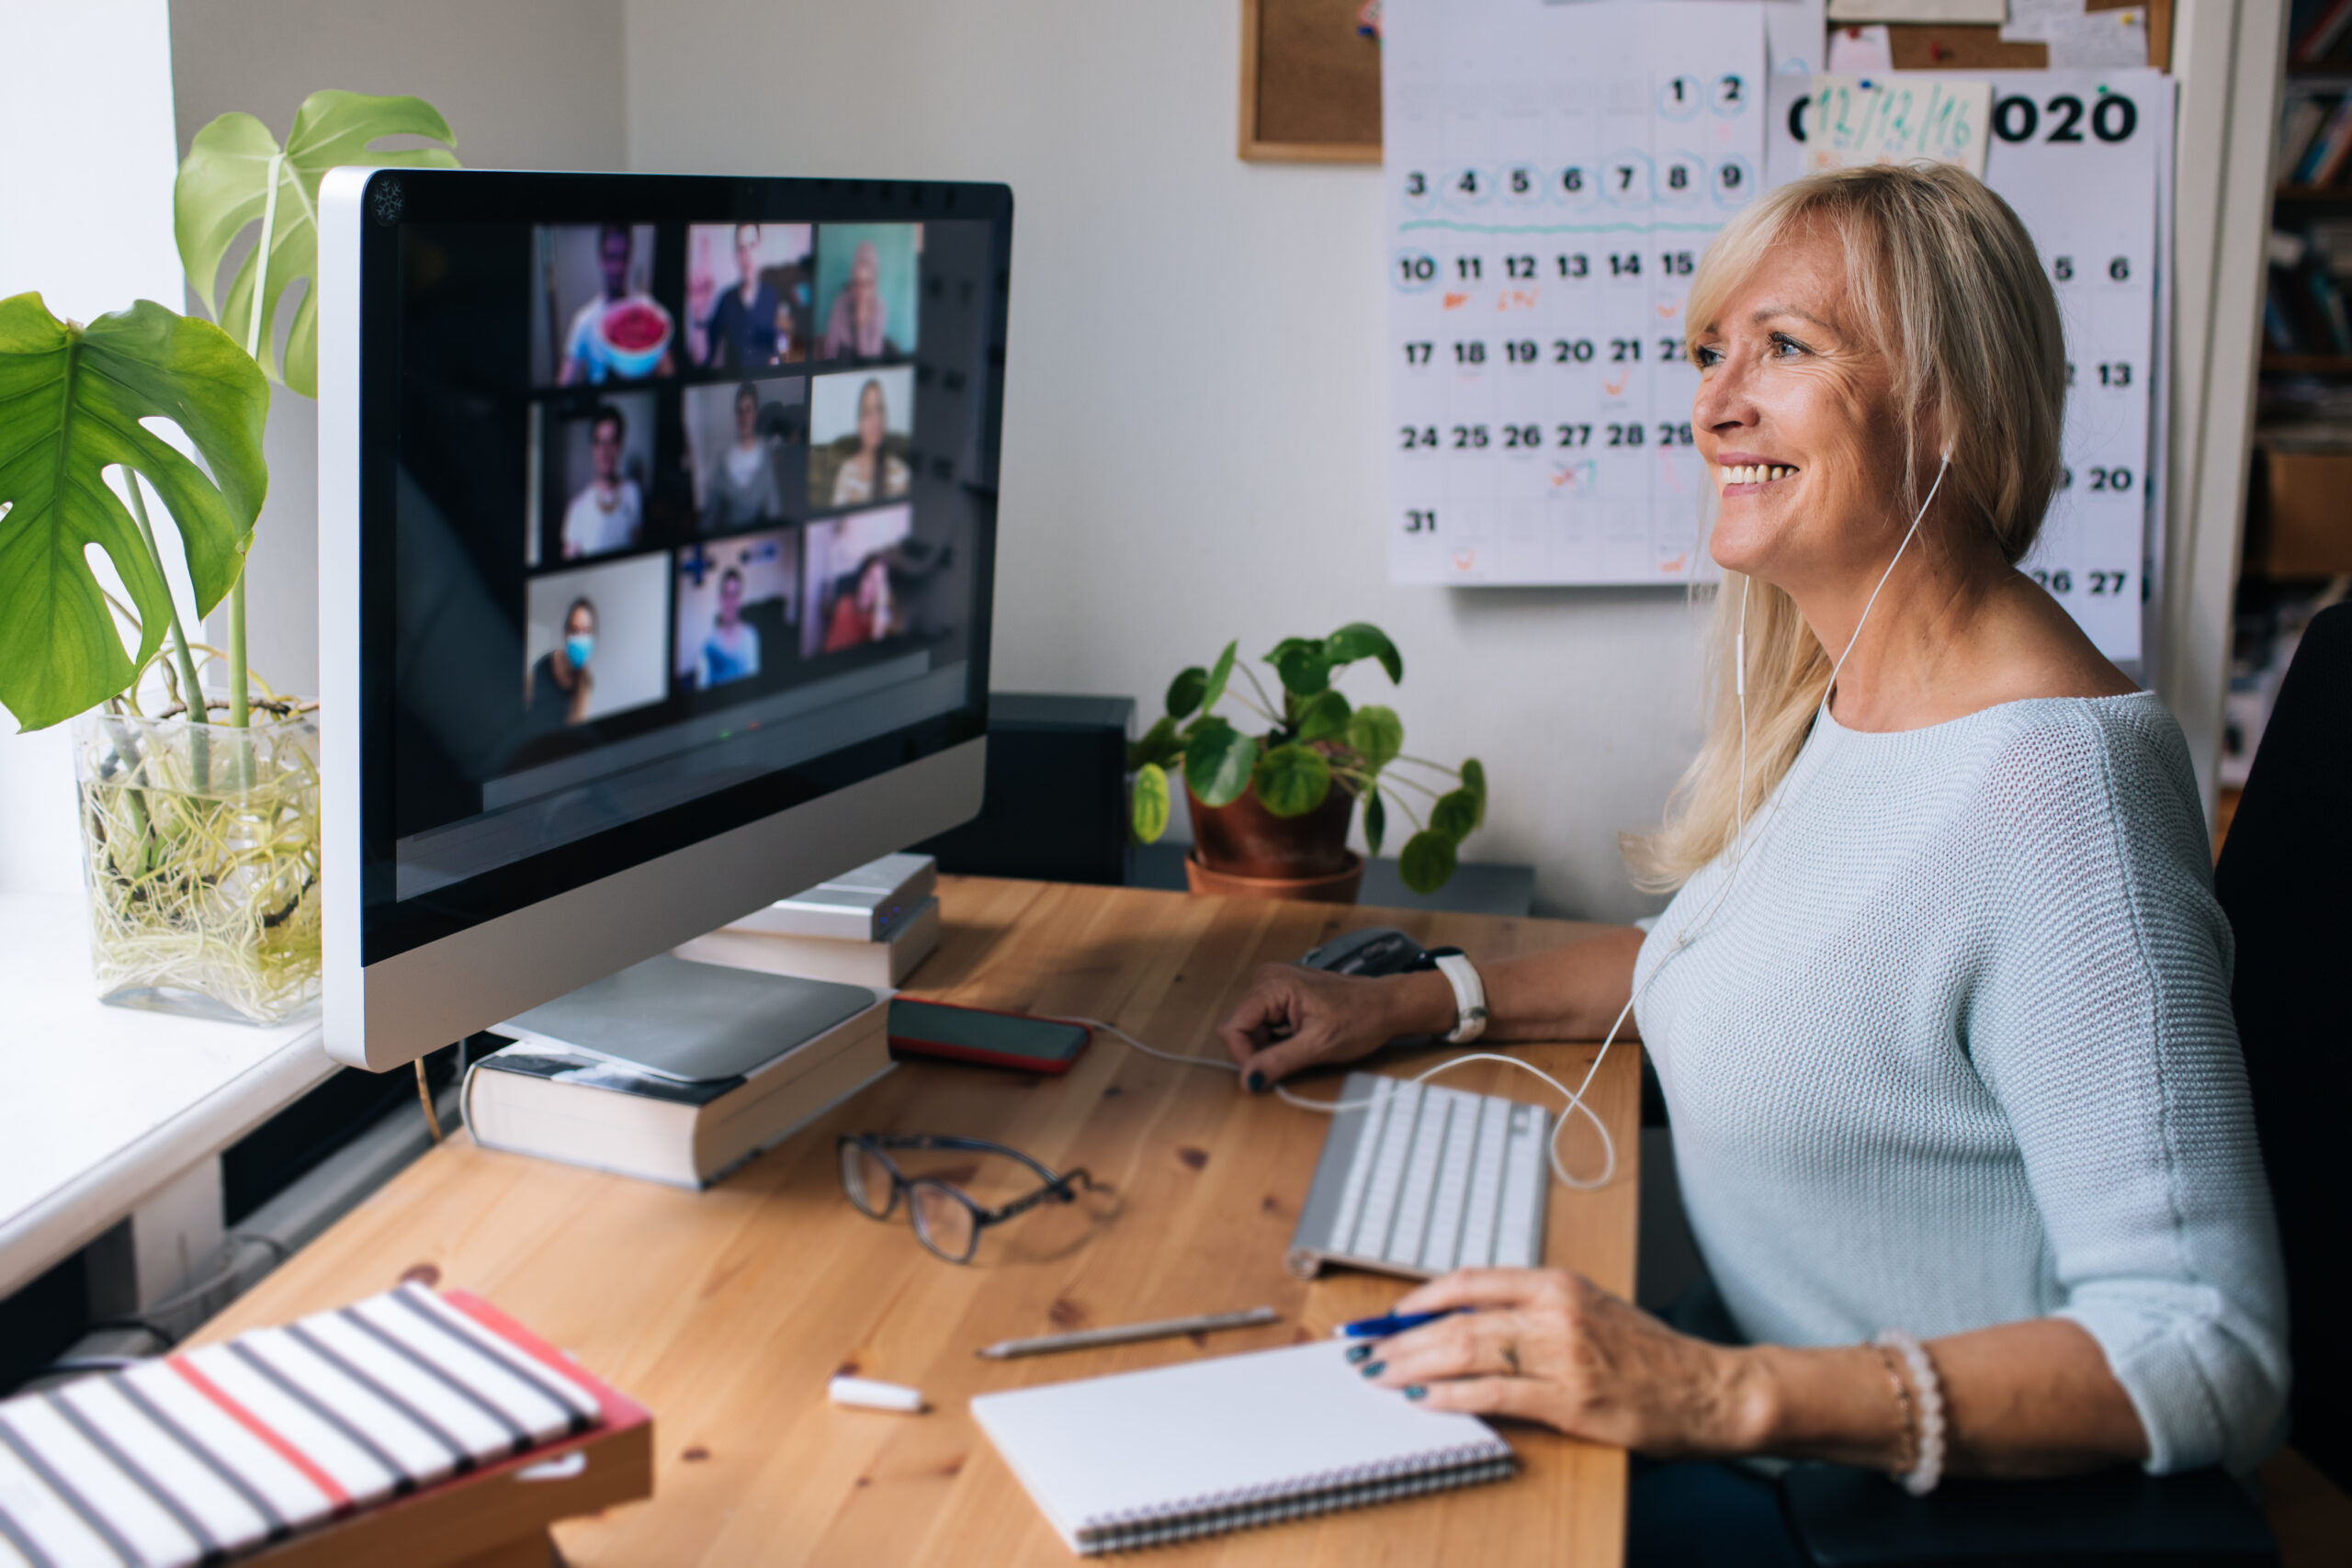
{"type": "Point", "coordinates": [1922, 1477]}
{"type": "Point", "coordinates": [1908, 1454]}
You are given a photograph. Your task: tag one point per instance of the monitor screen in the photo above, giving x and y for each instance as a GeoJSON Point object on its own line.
{"type": "Point", "coordinates": [690, 487]}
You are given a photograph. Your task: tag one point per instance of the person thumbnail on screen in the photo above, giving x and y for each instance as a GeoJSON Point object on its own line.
{"type": "Point", "coordinates": [593, 641]}
{"type": "Point", "coordinates": [746, 294]}
{"type": "Point", "coordinates": [743, 439]}
{"type": "Point", "coordinates": [857, 571]}
{"type": "Point", "coordinates": [866, 286]}
{"type": "Point", "coordinates": [737, 599]}
{"type": "Point", "coordinates": [596, 460]}
{"type": "Point", "coordinates": [860, 440]}
{"type": "Point", "coordinates": [597, 320]}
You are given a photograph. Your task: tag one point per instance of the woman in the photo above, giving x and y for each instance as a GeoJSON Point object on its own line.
{"type": "Point", "coordinates": [856, 324]}
{"type": "Point", "coordinates": [1940, 1009]}
{"type": "Point", "coordinates": [869, 614]}
{"type": "Point", "coordinates": [557, 686]}
{"type": "Point", "coordinates": [855, 482]}
{"type": "Point", "coordinates": [741, 485]}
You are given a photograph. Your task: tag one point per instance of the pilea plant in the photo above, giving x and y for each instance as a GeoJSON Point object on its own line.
{"type": "Point", "coordinates": [1314, 740]}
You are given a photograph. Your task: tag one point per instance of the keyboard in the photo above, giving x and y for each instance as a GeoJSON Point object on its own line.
{"type": "Point", "coordinates": [1423, 1180]}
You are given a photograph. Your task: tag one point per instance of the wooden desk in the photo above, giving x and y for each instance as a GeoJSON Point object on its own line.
{"type": "Point", "coordinates": [725, 1311]}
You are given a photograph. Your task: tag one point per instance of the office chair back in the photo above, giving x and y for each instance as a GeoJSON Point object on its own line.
{"type": "Point", "coordinates": [2283, 880]}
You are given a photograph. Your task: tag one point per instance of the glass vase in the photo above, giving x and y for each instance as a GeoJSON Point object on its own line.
{"type": "Point", "coordinates": [200, 845]}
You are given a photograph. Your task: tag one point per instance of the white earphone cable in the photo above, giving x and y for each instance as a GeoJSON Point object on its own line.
{"type": "Point", "coordinates": [1576, 1105]}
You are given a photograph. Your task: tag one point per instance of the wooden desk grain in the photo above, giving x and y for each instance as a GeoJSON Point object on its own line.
{"type": "Point", "coordinates": [725, 1311]}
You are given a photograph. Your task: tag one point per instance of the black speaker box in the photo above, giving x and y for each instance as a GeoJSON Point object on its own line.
{"type": "Point", "coordinates": [1055, 809]}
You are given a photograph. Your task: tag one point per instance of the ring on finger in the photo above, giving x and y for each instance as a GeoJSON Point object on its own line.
{"type": "Point", "coordinates": [1510, 1357]}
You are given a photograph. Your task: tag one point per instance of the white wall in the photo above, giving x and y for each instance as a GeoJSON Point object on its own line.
{"type": "Point", "coordinates": [1197, 392]}
{"type": "Point", "coordinates": [86, 219]}
{"type": "Point", "coordinates": [525, 83]}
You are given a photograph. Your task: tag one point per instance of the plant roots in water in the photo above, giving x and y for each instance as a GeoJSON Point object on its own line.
{"type": "Point", "coordinates": [202, 845]}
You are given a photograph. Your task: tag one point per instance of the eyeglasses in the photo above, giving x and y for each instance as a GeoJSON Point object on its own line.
{"type": "Point", "coordinates": [946, 1219]}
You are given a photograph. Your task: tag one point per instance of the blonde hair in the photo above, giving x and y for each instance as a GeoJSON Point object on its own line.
{"type": "Point", "coordinates": [1943, 277]}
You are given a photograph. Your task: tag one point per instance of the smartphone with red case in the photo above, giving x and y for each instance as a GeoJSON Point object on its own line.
{"type": "Point", "coordinates": [976, 1034]}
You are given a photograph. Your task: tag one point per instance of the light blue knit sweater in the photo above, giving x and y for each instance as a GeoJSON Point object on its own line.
{"type": "Point", "coordinates": [1956, 1050]}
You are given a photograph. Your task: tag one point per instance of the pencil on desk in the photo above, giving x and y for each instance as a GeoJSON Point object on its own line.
{"type": "Point", "coordinates": [1086, 1338]}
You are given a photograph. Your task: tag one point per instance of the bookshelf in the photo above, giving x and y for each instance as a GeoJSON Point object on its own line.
{"type": "Point", "coordinates": [2296, 552]}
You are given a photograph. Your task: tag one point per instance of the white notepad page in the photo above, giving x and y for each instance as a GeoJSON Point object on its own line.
{"type": "Point", "coordinates": [1205, 1433]}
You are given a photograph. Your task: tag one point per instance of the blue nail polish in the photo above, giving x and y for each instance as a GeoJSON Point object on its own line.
{"type": "Point", "coordinates": [1374, 1370]}
{"type": "Point", "coordinates": [1357, 1353]}
{"type": "Point", "coordinates": [1257, 1082]}
{"type": "Point", "coordinates": [1414, 1391]}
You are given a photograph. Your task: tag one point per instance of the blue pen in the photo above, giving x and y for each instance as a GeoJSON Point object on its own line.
{"type": "Point", "coordinates": [1395, 1323]}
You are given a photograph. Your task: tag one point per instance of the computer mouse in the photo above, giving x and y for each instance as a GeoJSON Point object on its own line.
{"type": "Point", "coordinates": [1374, 950]}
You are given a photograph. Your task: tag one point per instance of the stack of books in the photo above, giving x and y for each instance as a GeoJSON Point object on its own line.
{"type": "Point", "coordinates": [676, 1072]}
{"type": "Point", "coordinates": [2320, 33]}
{"type": "Point", "coordinates": [2315, 134]}
{"type": "Point", "coordinates": [868, 927]}
{"type": "Point", "coordinates": [2304, 313]}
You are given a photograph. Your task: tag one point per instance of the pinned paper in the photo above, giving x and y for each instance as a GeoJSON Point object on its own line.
{"type": "Point", "coordinates": [1974, 12]}
{"type": "Point", "coordinates": [1898, 119]}
{"type": "Point", "coordinates": [1860, 51]}
{"type": "Point", "coordinates": [2079, 38]}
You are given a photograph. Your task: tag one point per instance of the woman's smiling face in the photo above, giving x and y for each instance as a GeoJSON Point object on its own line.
{"type": "Point", "coordinates": [1796, 417]}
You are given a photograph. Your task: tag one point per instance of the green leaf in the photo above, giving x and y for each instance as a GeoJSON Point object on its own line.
{"type": "Point", "coordinates": [71, 400]}
{"type": "Point", "coordinates": [1427, 863]}
{"type": "Point", "coordinates": [1305, 668]}
{"type": "Point", "coordinates": [1219, 673]}
{"type": "Point", "coordinates": [1376, 734]}
{"type": "Point", "coordinates": [1474, 779]}
{"type": "Point", "coordinates": [1454, 815]}
{"type": "Point", "coordinates": [1376, 821]}
{"type": "Point", "coordinates": [224, 185]}
{"type": "Point", "coordinates": [1158, 745]}
{"type": "Point", "coordinates": [1292, 779]}
{"type": "Point", "coordinates": [1361, 639]}
{"type": "Point", "coordinates": [1184, 691]}
{"type": "Point", "coordinates": [1323, 716]}
{"type": "Point", "coordinates": [1147, 804]}
{"type": "Point", "coordinates": [1217, 762]}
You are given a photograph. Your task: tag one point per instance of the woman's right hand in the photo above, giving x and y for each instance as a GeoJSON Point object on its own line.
{"type": "Point", "coordinates": [1292, 1018]}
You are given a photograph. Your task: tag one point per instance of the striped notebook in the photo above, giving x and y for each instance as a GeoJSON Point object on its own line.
{"type": "Point", "coordinates": [215, 1451]}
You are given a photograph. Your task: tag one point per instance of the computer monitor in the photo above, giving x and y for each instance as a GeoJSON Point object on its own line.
{"type": "Point", "coordinates": [657, 520]}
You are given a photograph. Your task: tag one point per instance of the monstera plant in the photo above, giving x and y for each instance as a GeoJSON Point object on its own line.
{"type": "Point", "coordinates": [1271, 797]}
{"type": "Point", "coordinates": [200, 820]}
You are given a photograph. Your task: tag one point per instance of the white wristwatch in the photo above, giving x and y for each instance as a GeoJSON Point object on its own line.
{"type": "Point", "coordinates": [1469, 997]}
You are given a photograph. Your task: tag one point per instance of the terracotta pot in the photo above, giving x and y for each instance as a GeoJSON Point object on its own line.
{"type": "Point", "coordinates": [1337, 887]}
{"type": "Point", "coordinates": [1250, 845]}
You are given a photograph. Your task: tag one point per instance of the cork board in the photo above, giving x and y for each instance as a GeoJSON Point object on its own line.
{"type": "Point", "coordinates": [1310, 83]}
{"type": "Point", "coordinates": [1934, 46]}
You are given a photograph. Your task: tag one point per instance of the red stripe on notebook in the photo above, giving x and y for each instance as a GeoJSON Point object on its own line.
{"type": "Point", "coordinates": [336, 1497]}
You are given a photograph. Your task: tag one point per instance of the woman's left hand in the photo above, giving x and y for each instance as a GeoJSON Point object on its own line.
{"type": "Point", "coordinates": [1544, 1344]}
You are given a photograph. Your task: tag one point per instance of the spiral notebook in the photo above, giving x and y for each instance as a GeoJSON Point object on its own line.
{"type": "Point", "coordinates": [1144, 1458]}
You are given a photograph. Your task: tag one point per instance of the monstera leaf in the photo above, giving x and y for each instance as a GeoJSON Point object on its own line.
{"type": "Point", "coordinates": [227, 183]}
{"type": "Point", "coordinates": [71, 402]}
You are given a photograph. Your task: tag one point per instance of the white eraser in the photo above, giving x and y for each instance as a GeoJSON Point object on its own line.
{"type": "Point", "coordinates": [872, 1396]}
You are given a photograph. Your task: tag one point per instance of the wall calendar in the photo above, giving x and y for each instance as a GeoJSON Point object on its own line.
{"type": "Point", "coordinates": [1555, 172]}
